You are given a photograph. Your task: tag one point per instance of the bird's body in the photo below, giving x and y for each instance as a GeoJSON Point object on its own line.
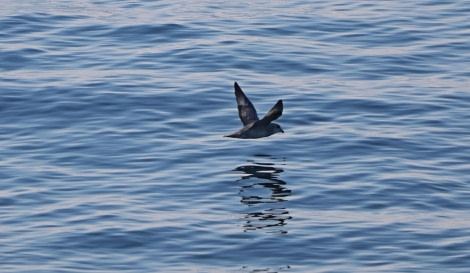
{"type": "Point", "coordinates": [251, 131]}
{"type": "Point", "coordinates": [253, 127]}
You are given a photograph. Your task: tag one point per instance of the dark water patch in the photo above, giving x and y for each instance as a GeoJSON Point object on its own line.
{"type": "Point", "coordinates": [157, 34]}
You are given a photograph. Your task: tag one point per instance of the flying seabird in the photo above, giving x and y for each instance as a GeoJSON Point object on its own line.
{"type": "Point", "coordinates": [253, 127]}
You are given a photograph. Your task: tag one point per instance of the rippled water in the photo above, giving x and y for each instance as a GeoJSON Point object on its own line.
{"type": "Point", "coordinates": [112, 116]}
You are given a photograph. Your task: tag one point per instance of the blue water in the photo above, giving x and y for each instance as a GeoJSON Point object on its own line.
{"type": "Point", "coordinates": [112, 157]}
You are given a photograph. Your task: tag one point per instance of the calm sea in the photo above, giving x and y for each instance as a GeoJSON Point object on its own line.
{"type": "Point", "coordinates": [112, 155]}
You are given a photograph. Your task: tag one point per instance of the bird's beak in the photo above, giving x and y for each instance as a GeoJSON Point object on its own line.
{"type": "Point", "coordinates": [282, 131]}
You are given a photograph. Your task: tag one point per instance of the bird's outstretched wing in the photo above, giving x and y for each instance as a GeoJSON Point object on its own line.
{"type": "Point", "coordinates": [273, 114]}
{"type": "Point", "coordinates": [246, 110]}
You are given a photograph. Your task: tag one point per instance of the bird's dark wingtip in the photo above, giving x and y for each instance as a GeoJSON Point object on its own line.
{"type": "Point", "coordinates": [236, 86]}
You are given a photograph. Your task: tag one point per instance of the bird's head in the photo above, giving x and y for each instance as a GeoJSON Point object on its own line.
{"type": "Point", "coordinates": [275, 128]}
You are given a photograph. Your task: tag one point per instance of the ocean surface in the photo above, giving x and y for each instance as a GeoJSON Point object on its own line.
{"type": "Point", "coordinates": [112, 155]}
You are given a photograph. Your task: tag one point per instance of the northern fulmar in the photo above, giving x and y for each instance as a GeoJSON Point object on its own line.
{"type": "Point", "coordinates": [253, 127]}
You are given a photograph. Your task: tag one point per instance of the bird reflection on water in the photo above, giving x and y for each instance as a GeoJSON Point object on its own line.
{"type": "Point", "coordinates": [266, 209]}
